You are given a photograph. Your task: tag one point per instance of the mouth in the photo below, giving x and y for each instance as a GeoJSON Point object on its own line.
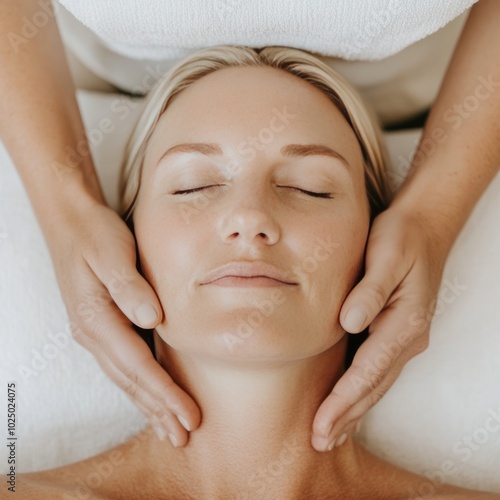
{"type": "Point", "coordinates": [247, 281]}
{"type": "Point", "coordinates": [248, 274]}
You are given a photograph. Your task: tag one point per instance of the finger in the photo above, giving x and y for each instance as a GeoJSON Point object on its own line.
{"type": "Point", "coordinates": [127, 287]}
{"type": "Point", "coordinates": [164, 422]}
{"type": "Point", "coordinates": [384, 273]}
{"type": "Point", "coordinates": [374, 358]}
{"type": "Point", "coordinates": [357, 411]}
{"type": "Point", "coordinates": [328, 444]}
{"type": "Point", "coordinates": [115, 340]}
{"type": "Point", "coordinates": [167, 425]}
{"type": "Point", "coordinates": [361, 387]}
{"type": "Point", "coordinates": [348, 421]}
{"type": "Point", "coordinates": [153, 425]}
{"type": "Point", "coordinates": [138, 396]}
{"type": "Point", "coordinates": [162, 429]}
{"type": "Point", "coordinates": [161, 416]}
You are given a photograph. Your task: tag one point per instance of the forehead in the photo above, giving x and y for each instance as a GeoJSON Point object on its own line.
{"type": "Point", "coordinates": [252, 102]}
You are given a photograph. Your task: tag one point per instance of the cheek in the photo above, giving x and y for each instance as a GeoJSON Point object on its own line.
{"type": "Point", "coordinates": [337, 258]}
{"type": "Point", "coordinates": [146, 245]}
{"type": "Point", "coordinates": [167, 246]}
{"type": "Point", "coordinates": [354, 249]}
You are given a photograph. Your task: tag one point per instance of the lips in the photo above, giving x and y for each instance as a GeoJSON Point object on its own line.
{"type": "Point", "coordinates": [248, 269]}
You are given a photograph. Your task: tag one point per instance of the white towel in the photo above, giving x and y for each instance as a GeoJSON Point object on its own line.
{"type": "Point", "coordinates": [131, 47]}
{"type": "Point", "coordinates": [349, 29]}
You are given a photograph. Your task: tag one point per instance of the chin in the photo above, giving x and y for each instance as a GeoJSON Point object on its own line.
{"type": "Point", "coordinates": [243, 336]}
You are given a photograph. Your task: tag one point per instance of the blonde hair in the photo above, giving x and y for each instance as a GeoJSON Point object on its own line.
{"type": "Point", "coordinates": [293, 61]}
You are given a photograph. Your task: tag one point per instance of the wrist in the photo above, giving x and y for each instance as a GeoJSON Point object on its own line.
{"type": "Point", "coordinates": [440, 194]}
{"type": "Point", "coordinates": [68, 197]}
{"type": "Point", "coordinates": [429, 220]}
{"type": "Point", "coordinates": [70, 182]}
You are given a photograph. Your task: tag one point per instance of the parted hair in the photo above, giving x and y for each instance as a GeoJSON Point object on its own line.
{"type": "Point", "coordinates": [294, 61]}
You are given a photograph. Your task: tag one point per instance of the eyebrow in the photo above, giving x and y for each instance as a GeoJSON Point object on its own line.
{"type": "Point", "coordinates": [296, 150]}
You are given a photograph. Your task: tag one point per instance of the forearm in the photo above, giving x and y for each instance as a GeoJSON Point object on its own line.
{"type": "Point", "coordinates": [40, 123]}
{"type": "Point", "coordinates": [459, 153]}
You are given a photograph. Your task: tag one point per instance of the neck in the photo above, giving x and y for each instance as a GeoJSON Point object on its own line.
{"type": "Point", "coordinates": [256, 421]}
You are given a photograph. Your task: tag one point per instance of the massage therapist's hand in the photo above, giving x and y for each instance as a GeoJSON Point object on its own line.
{"type": "Point", "coordinates": [95, 262]}
{"type": "Point", "coordinates": [92, 249]}
{"type": "Point", "coordinates": [406, 254]}
{"type": "Point", "coordinates": [396, 299]}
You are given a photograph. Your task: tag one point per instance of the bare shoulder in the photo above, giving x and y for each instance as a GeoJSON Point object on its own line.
{"type": "Point", "coordinates": [392, 482]}
{"type": "Point", "coordinates": [69, 482]}
{"type": "Point", "coordinates": [107, 476]}
{"type": "Point", "coordinates": [41, 485]}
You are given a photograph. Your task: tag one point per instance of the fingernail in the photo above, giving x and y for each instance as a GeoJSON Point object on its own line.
{"type": "Point", "coordinates": [146, 314]}
{"type": "Point", "coordinates": [184, 422]}
{"type": "Point", "coordinates": [173, 440]}
{"type": "Point", "coordinates": [331, 445]}
{"type": "Point", "coordinates": [341, 440]}
{"type": "Point", "coordinates": [355, 319]}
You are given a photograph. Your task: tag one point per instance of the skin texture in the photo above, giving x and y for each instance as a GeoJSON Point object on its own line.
{"type": "Point", "coordinates": [259, 396]}
{"type": "Point", "coordinates": [254, 215]}
{"type": "Point", "coordinates": [256, 212]}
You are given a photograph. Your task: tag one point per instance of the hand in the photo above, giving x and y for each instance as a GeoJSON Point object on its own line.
{"type": "Point", "coordinates": [95, 263]}
{"type": "Point", "coordinates": [396, 299]}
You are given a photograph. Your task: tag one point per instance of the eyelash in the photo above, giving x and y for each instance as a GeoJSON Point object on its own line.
{"type": "Point", "coordinates": [310, 193]}
{"type": "Point", "coordinates": [194, 190]}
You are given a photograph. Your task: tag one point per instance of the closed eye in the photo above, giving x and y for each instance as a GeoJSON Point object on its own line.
{"type": "Point", "coordinates": [305, 191]}
{"type": "Point", "coordinates": [195, 190]}
{"type": "Point", "coordinates": [310, 193]}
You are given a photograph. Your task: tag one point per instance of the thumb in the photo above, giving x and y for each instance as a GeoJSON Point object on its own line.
{"type": "Point", "coordinates": [135, 297]}
{"type": "Point", "coordinates": [130, 291]}
{"type": "Point", "coordinates": [371, 294]}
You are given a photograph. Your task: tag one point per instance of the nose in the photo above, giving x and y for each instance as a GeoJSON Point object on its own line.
{"type": "Point", "coordinates": [250, 226]}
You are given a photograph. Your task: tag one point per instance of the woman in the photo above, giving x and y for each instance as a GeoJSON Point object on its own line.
{"type": "Point", "coordinates": [41, 127]}
{"type": "Point", "coordinates": [251, 250]}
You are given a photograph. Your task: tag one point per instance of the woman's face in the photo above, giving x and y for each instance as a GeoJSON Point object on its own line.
{"type": "Point", "coordinates": [252, 216]}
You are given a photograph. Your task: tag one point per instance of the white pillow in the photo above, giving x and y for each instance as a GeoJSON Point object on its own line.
{"type": "Point", "coordinates": [68, 410]}
{"type": "Point", "coordinates": [442, 416]}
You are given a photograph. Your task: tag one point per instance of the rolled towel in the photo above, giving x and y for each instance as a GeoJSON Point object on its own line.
{"type": "Point", "coordinates": [349, 29]}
